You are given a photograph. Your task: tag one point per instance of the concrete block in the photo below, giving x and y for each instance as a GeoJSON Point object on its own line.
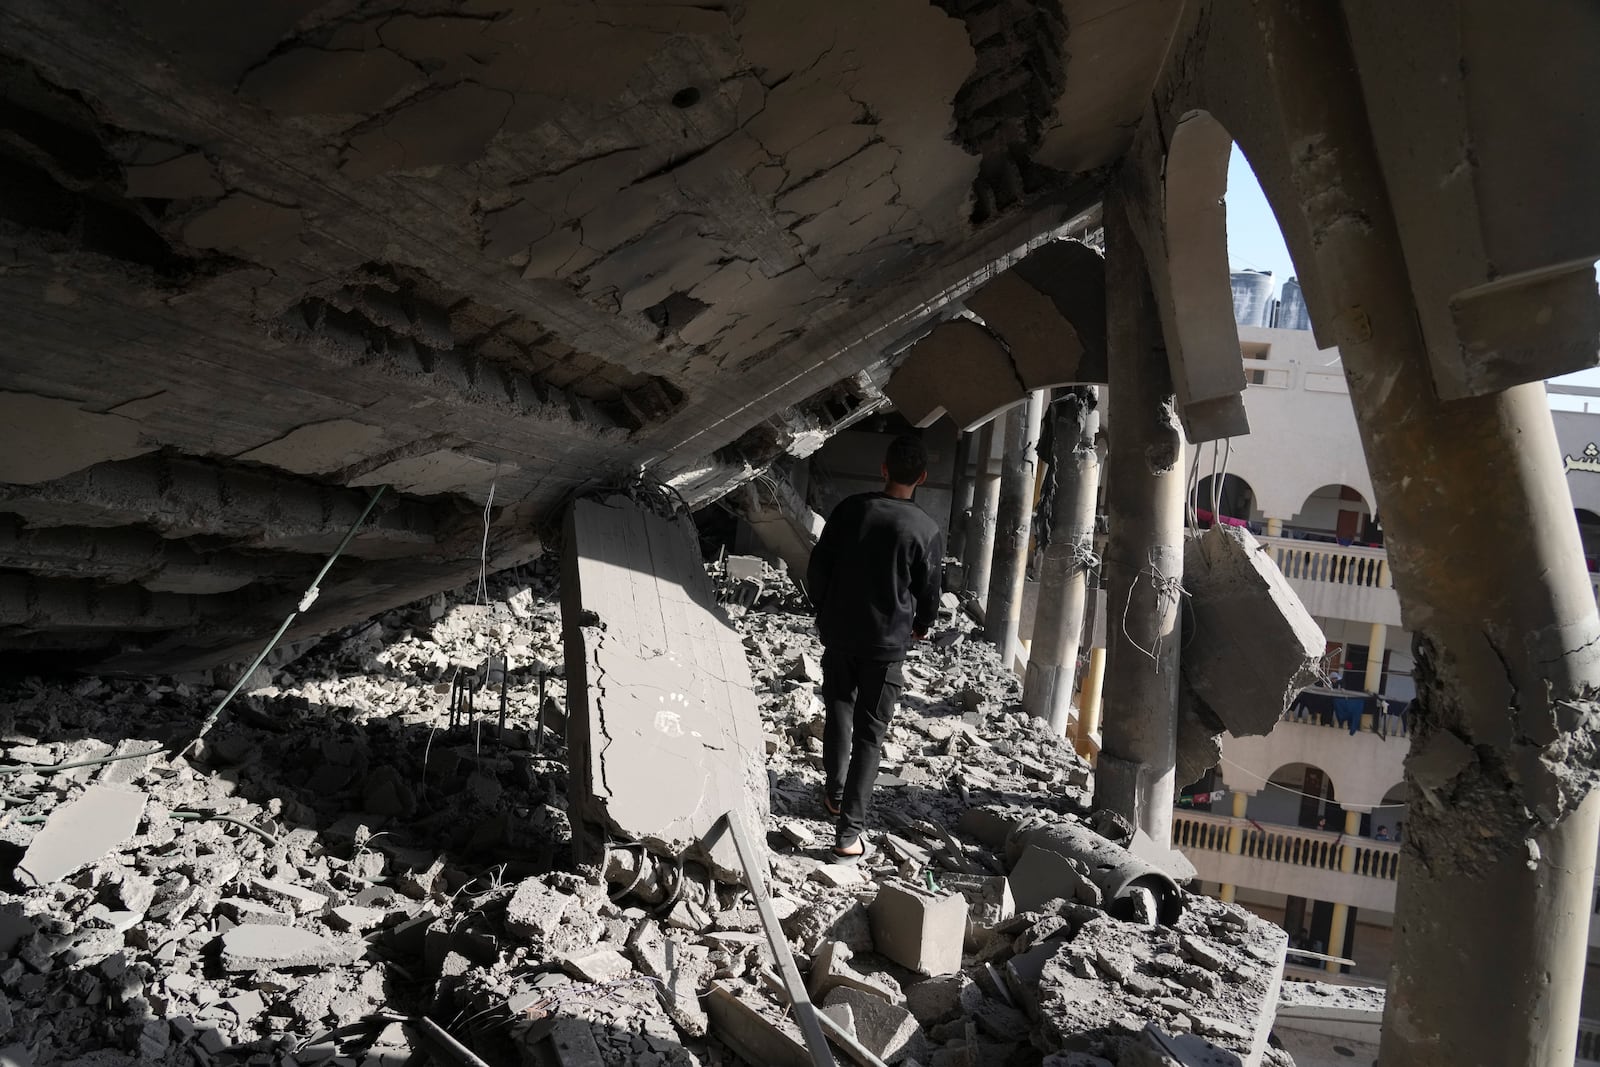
{"type": "Point", "coordinates": [535, 910]}
{"type": "Point", "coordinates": [597, 965]}
{"type": "Point", "coordinates": [945, 997]}
{"type": "Point", "coordinates": [1041, 875]}
{"type": "Point", "coordinates": [303, 901]}
{"type": "Point", "coordinates": [830, 968]}
{"type": "Point", "coordinates": [918, 929]}
{"type": "Point", "coordinates": [258, 947]}
{"type": "Point", "coordinates": [1249, 643]}
{"type": "Point", "coordinates": [80, 832]}
{"type": "Point", "coordinates": [664, 732]}
{"type": "Point", "coordinates": [887, 1031]}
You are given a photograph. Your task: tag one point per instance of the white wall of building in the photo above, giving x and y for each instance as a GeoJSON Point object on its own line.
{"type": "Point", "coordinates": [1302, 429]}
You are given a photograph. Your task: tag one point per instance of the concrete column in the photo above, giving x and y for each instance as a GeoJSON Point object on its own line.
{"type": "Point", "coordinates": [1235, 842]}
{"type": "Point", "coordinates": [1339, 922]}
{"type": "Point", "coordinates": [1144, 557]}
{"type": "Point", "coordinates": [985, 502]}
{"type": "Point", "coordinates": [960, 495]}
{"type": "Point", "coordinates": [1376, 642]}
{"type": "Point", "coordinates": [1063, 573]}
{"type": "Point", "coordinates": [1499, 873]}
{"type": "Point", "coordinates": [1013, 527]}
{"type": "Point", "coordinates": [1089, 702]}
{"type": "Point", "coordinates": [1274, 527]}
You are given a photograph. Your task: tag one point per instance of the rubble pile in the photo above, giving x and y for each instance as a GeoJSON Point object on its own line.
{"type": "Point", "coordinates": [336, 875]}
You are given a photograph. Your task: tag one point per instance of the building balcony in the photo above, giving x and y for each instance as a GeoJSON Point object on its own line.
{"type": "Point", "coordinates": [1289, 859]}
{"type": "Point", "coordinates": [1589, 1039]}
{"type": "Point", "coordinates": [1337, 581]}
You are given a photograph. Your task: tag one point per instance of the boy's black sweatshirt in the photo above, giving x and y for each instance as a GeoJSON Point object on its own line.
{"type": "Point", "coordinates": [874, 576]}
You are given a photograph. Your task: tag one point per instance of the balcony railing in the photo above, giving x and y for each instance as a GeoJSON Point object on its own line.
{"type": "Point", "coordinates": [1588, 1041]}
{"type": "Point", "coordinates": [1293, 845]}
{"type": "Point", "coordinates": [1316, 561]}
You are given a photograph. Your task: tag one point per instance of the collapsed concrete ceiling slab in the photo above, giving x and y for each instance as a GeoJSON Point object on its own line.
{"type": "Point", "coordinates": [485, 246]}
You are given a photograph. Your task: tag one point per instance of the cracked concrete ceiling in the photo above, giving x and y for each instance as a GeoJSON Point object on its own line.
{"type": "Point", "coordinates": [260, 257]}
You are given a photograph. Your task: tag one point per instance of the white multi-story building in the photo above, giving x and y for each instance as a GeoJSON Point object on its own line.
{"type": "Point", "coordinates": [1303, 825]}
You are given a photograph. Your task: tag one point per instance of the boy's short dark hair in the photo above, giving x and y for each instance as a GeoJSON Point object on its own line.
{"type": "Point", "coordinates": [906, 460]}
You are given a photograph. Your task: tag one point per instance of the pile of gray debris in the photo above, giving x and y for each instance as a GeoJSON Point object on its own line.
{"type": "Point", "coordinates": [340, 875]}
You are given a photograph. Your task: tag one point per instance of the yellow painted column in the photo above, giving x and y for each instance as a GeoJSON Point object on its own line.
{"type": "Point", "coordinates": [1375, 645]}
{"type": "Point", "coordinates": [1274, 527]}
{"type": "Point", "coordinates": [1235, 841]}
{"type": "Point", "coordinates": [1089, 701]}
{"type": "Point", "coordinates": [1341, 912]}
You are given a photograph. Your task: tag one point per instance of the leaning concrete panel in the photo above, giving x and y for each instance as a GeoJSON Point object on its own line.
{"type": "Point", "coordinates": [664, 733]}
{"type": "Point", "coordinates": [1250, 644]}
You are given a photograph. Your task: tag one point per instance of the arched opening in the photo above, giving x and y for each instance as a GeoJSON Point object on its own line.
{"type": "Point", "coordinates": [1335, 514]}
{"type": "Point", "coordinates": [1298, 794]}
{"type": "Point", "coordinates": [1389, 820]}
{"type": "Point", "coordinates": [1589, 532]}
{"type": "Point", "coordinates": [1228, 499]}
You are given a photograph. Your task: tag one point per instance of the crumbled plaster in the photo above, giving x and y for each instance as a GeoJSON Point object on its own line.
{"type": "Point", "coordinates": [49, 438]}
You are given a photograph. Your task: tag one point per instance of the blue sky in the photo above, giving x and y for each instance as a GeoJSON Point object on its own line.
{"type": "Point", "coordinates": [1254, 243]}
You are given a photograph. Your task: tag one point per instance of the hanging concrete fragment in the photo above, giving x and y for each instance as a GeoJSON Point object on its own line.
{"type": "Point", "coordinates": [1249, 643]}
{"type": "Point", "coordinates": [664, 735]}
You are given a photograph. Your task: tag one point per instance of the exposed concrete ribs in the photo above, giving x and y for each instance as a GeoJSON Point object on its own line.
{"type": "Point", "coordinates": [1003, 109]}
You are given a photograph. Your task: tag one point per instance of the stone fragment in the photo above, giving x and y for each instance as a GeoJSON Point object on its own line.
{"type": "Point", "coordinates": [535, 910]}
{"type": "Point", "coordinates": [303, 901]}
{"type": "Point", "coordinates": [1249, 643]}
{"type": "Point", "coordinates": [918, 929]}
{"type": "Point", "coordinates": [243, 911]}
{"type": "Point", "coordinates": [831, 968]}
{"type": "Point", "coordinates": [1041, 875]}
{"type": "Point", "coordinates": [255, 946]}
{"type": "Point", "coordinates": [353, 918]}
{"type": "Point", "coordinates": [798, 834]}
{"type": "Point", "coordinates": [887, 1031]}
{"type": "Point", "coordinates": [681, 969]}
{"type": "Point", "coordinates": [837, 875]}
{"type": "Point", "coordinates": [598, 965]}
{"type": "Point", "coordinates": [937, 999]}
{"type": "Point", "coordinates": [80, 832]}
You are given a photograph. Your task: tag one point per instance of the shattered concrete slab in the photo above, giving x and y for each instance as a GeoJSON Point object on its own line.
{"type": "Point", "coordinates": [257, 946]}
{"type": "Point", "coordinates": [664, 732]}
{"type": "Point", "coordinates": [1249, 643]}
{"type": "Point", "coordinates": [80, 832]}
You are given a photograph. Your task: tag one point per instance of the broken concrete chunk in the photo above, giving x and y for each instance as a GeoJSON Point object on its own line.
{"type": "Point", "coordinates": [935, 1000]}
{"type": "Point", "coordinates": [258, 947]}
{"type": "Point", "coordinates": [664, 732]}
{"type": "Point", "coordinates": [918, 929]}
{"type": "Point", "coordinates": [80, 832]}
{"type": "Point", "coordinates": [1250, 644]}
{"type": "Point", "coordinates": [889, 1032]}
{"type": "Point", "coordinates": [598, 965]}
{"type": "Point", "coordinates": [535, 910]}
{"type": "Point", "coordinates": [831, 969]}
{"type": "Point", "coordinates": [303, 901]}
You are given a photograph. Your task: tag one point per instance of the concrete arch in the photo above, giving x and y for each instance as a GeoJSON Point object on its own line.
{"type": "Point", "coordinates": [1193, 291]}
{"type": "Point", "coordinates": [1038, 325]}
{"type": "Point", "coordinates": [1323, 510]}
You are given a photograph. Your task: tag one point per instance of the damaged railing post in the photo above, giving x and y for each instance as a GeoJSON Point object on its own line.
{"type": "Point", "coordinates": [1144, 557]}
{"type": "Point", "coordinates": [985, 500]}
{"type": "Point", "coordinates": [1068, 559]}
{"type": "Point", "coordinates": [1013, 527]}
{"type": "Point", "coordinates": [1493, 909]}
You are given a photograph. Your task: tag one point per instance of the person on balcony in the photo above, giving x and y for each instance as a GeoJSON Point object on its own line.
{"type": "Point", "coordinates": [1382, 834]}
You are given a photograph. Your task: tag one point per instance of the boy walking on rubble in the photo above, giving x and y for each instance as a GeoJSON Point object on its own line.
{"type": "Point", "coordinates": [874, 578]}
